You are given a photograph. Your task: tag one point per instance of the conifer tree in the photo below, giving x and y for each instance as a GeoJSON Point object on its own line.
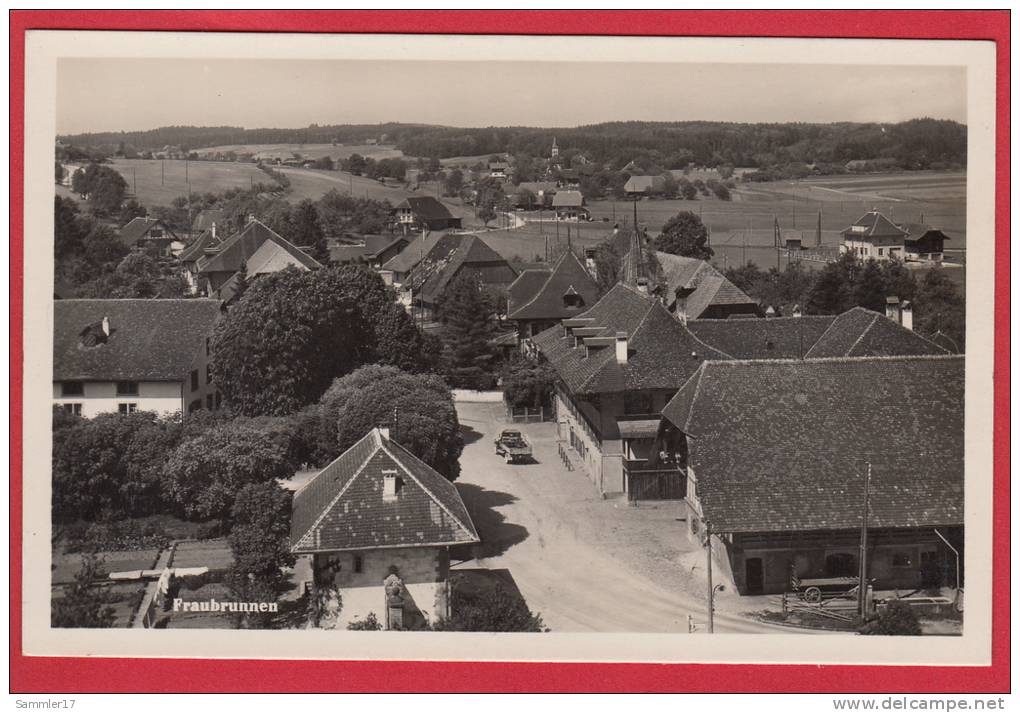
{"type": "Point", "coordinates": [467, 314]}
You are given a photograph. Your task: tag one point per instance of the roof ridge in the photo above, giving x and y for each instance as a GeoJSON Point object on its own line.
{"type": "Point", "coordinates": [383, 446]}
{"type": "Point", "coordinates": [821, 360]}
{"type": "Point", "coordinates": [697, 392]}
{"type": "Point", "coordinates": [821, 336]}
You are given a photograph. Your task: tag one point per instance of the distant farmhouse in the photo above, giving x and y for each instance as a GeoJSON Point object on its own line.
{"type": "Point", "coordinates": [417, 212]}
{"type": "Point", "coordinates": [374, 251]}
{"type": "Point", "coordinates": [875, 236]}
{"type": "Point", "coordinates": [539, 298]}
{"type": "Point", "coordinates": [776, 454]}
{"type": "Point", "coordinates": [258, 248]}
{"type": "Point", "coordinates": [569, 205]}
{"type": "Point", "coordinates": [533, 195]}
{"type": "Point", "coordinates": [212, 219]}
{"type": "Point", "coordinates": [150, 234]}
{"type": "Point", "coordinates": [637, 186]}
{"type": "Point", "coordinates": [449, 258]}
{"type": "Point", "coordinates": [126, 355]}
{"type": "Point", "coordinates": [378, 524]}
{"type": "Point", "coordinates": [500, 170]}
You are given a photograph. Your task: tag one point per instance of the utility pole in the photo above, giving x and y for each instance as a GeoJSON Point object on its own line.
{"type": "Point", "coordinates": [162, 172]}
{"type": "Point", "coordinates": [134, 183]}
{"type": "Point", "coordinates": [776, 239]}
{"type": "Point", "coordinates": [862, 582]}
{"type": "Point", "coordinates": [711, 589]}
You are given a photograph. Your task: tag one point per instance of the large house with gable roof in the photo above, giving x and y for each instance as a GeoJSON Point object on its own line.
{"type": "Point", "coordinates": [378, 524]}
{"type": "Point", "coordinates": [541, 297]}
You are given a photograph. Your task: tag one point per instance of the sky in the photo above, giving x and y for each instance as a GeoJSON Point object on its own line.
{"type": "Point", "coordinates": [126, 95]}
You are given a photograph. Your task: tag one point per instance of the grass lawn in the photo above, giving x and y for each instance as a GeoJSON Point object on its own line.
{"type": "Point", "coordinates": [308, 151]}
{"type": "Point", "coordinates": [159, 182]}
{"type": "Point", "coordinates": [214, 554]}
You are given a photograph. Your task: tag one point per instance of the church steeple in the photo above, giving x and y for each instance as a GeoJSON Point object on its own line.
{"type": "Point", "coordinates": [555, 149]}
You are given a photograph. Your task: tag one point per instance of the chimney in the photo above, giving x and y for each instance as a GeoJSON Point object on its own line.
{"type": "Point", "coordinates": [892, 308]}
{"type": "Point", "coordinates": [214, 230]}
{"type": "Point", "coordinates": [106, 326]}
{"type": "Point", "coordinates": [384, 431]}
{"type": "Point", "coordinates": [642, 285]}
{"type": "Point", "coordinates": [770, 312]}
{"type": "Point", "coordinates": [621, 347]}
{"type": "Point", "coordinates": [390, 485]}
{"type": "Point", "coordinates": [907, 315]}
{"type": "Point", "coordinates": [797, 312]}
{"type": "Point", "coordinates": [251, 218]}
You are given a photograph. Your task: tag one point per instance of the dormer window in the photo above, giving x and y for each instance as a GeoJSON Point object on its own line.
{"type": "Point", "coordinates": [391, 485]}
{"type": "Point", "coordinates": [572, 300]}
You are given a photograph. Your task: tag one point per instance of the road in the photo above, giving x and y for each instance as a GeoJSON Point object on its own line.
{"type": "Point", "coordinates": [571, 553]}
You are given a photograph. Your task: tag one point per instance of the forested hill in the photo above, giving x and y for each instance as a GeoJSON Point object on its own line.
{"type": "Point", "coordinates": [918, 143]}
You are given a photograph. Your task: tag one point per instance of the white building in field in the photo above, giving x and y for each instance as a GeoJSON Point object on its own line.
{"type": "Point", "coordinates": [121, 356]}
{"type": "Point", "coordinates": [378, 524]}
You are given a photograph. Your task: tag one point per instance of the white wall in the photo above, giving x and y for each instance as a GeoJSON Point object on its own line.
{"type": "Point", "coordinates": [163, 397]}
{"type": "Point", "coordinates": [424, 571]}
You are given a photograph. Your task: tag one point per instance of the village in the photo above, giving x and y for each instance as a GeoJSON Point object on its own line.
{"type": "Point", "coordinates": [495, 404]}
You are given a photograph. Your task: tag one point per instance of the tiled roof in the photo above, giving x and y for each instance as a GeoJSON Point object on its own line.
{"type": "Point", "coordinates": [681, 272]}
{"type": "Point", "coordinates": [526, 286]}
{"type": "Point", "coordinates": [546, 301]}
{"type": "Point", "coordinates": [342, 508]}
{"type": "Point", "coordinates": [136, 229]}
{"type": "Point", "coordinates": [916, 231]}
{"type": "Point", "coordinates": [198, 246]}
{"type": "Point", "coordinates": [641, 184]}
{"type": "Point", "coordinates": [205, 219]}
{"type": "Point", "coordinates": [784, 445]}
{"type": "Point", "coordinates": [662, 352]}
{"type": "Point", "coordinates": [875, 225]}
{"type": "Point", "coordinates": [416, 249]}
{"type": "Point", "coordinates": [448, 255]}
{"type": "Point", "coordinates": [778, 338]}
{"type": "Point", "coordinates": [536, 186]}
{"type": "Point", "coordinates": [568, 199]}
{"type": "Point", "coordinates": [150, 340]}
{"type": "Point", "coordinates": [372, 247]}
{"type": "Point", "coordinates": [711, 291]}
{"type": "Point", "coordinates": [861, 332]}
{"type": "Point", "coordinates": [242, 246]}
{"type": "Point", "coordinates": [425, 207]}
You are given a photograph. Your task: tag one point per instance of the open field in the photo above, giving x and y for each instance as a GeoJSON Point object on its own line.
{"type": "Point", "coordinates": [530, 240]}
{"type": "Point", "coordinates": [159, 182]}
{"type": "Point", "coordinates": [308, 151]}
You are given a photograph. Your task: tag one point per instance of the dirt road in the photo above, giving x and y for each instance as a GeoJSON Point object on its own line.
{"type": "Point", "coordinates": [584, 563]}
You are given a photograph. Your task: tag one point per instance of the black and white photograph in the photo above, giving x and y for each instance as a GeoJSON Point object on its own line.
{"type": "Point", "coordinates": [660, 339]}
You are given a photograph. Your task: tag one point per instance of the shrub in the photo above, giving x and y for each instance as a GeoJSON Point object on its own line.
{"type": "Point", "coordinates": [893, 619]}
{"type": "Point", "coordinates": [494, 609]}
{"type": "Point", "coordinates": [369, 623]}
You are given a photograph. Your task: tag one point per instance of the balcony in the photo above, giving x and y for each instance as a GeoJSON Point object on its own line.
{"type": "Point", "coordinates": [665, 480]}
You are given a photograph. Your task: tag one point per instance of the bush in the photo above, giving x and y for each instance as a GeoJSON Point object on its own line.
{"type": "Point", "coordinates": [528, 383]}
{"type": "Point", "coordinates": [893, 619]}
{"type": "Point", "coordinates": [369, 623]}
{"type": "Point", "coordinates": [492, 610]}
{"type": "Point", "coordinates": [84, 605]}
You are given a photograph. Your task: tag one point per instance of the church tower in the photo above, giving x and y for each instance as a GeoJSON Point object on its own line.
{"type": "Point", "coordinates": [555, 149]}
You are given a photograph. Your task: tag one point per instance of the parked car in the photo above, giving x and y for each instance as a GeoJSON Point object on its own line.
{"type": "Point", "coordinates": [513, 446]}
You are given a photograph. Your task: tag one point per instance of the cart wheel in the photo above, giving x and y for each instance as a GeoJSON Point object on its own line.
{"type": "Point", "coordinates": [508, 458]}
{"type": "Point", "coordinates": [812, 595]}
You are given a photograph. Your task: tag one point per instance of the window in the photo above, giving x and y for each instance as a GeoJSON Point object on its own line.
{"type": "Point", "coordinates": [208, 374]}
{"type": "Point", "coordinates": [209, 402]}
{"type": "Point", "coordinates": [901, 559]}
{"type": "Point", "coordinates": [72, 388]}
{"type": "Point", "coordinates": [127, 408]}
{"type": "Point", "coordinates": [359, 564]}
{"type": "Point", "coordinates": [72, 409]}
{"type": "Point", "coordinates": [194, 381]}
{"type": "Point", "coordinates": [881, 251]}
{"type": "Point", "coordinates": [208, 349]}
{"type": "Point", "coordinates": [127, 388]}
{"type": "Point", "coordinates": [219, 400]}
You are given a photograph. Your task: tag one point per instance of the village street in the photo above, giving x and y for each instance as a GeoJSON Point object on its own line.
{"type": "Point", "coordinates": [583, 563]}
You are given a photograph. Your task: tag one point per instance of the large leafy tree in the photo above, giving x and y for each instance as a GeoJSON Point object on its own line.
{"type": "Point", "coordinates": [204, 474]}
{"type": "Point", "coordinates": [418, 408]}
{"type": "Point", "coordinates": [260, 517]}
{"type": "Point", "coordinates": [939, 307]}
{"type": "Point", "coordinates": [109, 466]}
{"type": "Point", "coordinates": [467, 317]}
{"type": "Point", "coordinates": [831, 292]}
{"type": "Point", "coordinates": [292, 333]}
{"type": "Point", "coordinates": [685, 234]}
{"type": "Point", "coordinates": [528, 383]}
{"type": "Point", "coordinates": [869, 288]}
{"type": "Point", "coordinates": [101, 186]}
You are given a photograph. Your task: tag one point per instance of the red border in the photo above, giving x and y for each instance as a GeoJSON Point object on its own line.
{"type": "Point", "coordinates": [42, 674]}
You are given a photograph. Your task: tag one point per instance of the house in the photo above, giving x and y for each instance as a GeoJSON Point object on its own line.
{"type": "Point", "coordinates": [113, 356]}
{"type": "Point", "coordinates": [259, 249]}
{"type": "Point", "coordinates": [500, 170]}
{"type": "Point", "coordinates": [205, 244]}
{"type": "Point", "coordinates": [569, 205]}
{"type": "Point", "coordinates": [450, 257]}
{"type": "Point", "coordinates": [374, 250]}
{"type": "Point", "coordinates": [874, 236]}
{"type": "Point", "coordinates": [569, 178]}
{"type": "Point", "coordinates": [534, 195]}
{"type": "Point", "coordinates": [538, 299]}
{"type": "Point", "coordinates": [618, 363]}
{"type": "Point", "coordinates": [417, 212]}
{"type": "Point", "coordinates": [637, 186]}
{"type": "Point", "coordinates": [777, 454]}
{"type": "Point", "coordinates": [378, 524]}
{"type": "Point", "coordinates": [693, 289]}
{"type": "Point", "coordinates": [150, 234]}
{"type": "Point", "coordinates": [923, 243]}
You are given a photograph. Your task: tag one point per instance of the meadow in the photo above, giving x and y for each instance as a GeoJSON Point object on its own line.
{"type": "Point", "coordinates": [155, 182]}
{"type": "Point", "coordinates": [307, 151]}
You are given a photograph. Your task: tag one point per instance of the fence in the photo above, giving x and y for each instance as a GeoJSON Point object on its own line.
{"type": "Point", "coordinates": [526, 414]}
{"type": "Point", "coordinates": [656, 484]}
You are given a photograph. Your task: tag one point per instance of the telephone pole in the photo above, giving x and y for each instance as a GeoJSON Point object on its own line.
{"type": "Point", "coordinates": [862, 581]}
{"type": "Point", "coordinates": [711, 589]}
